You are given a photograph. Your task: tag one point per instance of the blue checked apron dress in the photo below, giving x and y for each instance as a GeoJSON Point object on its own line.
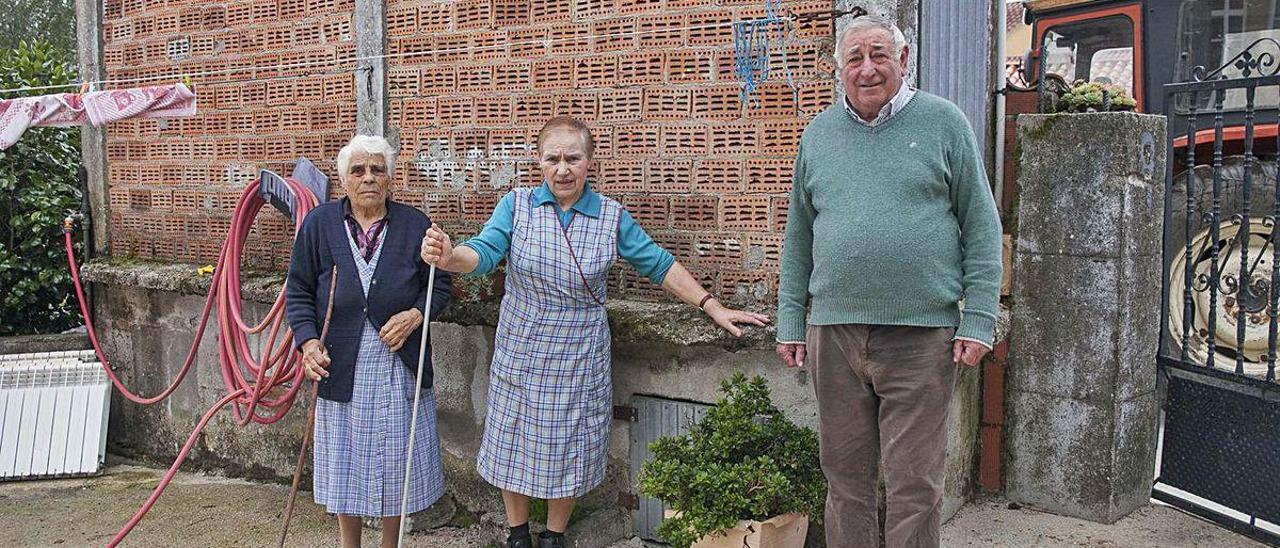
{"type": "Point", "coordinates": [546, 431]}
{"type": "Point", "coordinates": [361, 445]}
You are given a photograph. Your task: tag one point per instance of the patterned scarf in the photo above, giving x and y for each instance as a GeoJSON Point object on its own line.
{"type": "Point", "coordinates": [366, 240]}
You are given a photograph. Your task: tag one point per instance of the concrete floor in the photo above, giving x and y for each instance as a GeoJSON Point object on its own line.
{"type": "Point", "coordinates": [201, 510]}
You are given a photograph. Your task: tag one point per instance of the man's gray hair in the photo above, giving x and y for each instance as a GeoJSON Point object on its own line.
{"type": "Point", "coordinates": [371, 145]}
{"type": "Point", "coordinates": [868, 22]}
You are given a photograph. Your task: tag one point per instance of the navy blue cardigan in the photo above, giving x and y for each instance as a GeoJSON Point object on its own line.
{"type": "Point", "coordinates": [399, 283]}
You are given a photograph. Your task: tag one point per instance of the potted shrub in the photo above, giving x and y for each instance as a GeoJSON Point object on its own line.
{"type": "Point", "coordinates": [744, 476]}
{"type": "Point", "coordinates": [1089, 97]}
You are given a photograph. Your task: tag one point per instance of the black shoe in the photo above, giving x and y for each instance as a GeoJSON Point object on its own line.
{"type": "Point", "coordinates": [557, 541]}
{"type": "Point", "coordinates": [522, 542]}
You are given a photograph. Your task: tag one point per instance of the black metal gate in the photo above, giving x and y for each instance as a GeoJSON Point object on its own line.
{"type": "Point", "coordinates": [1220, 439]}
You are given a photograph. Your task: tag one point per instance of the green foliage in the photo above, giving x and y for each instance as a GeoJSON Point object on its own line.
{"type": "Point", "coordinates": [52, 21]}
{"type": "Point", "coordinates": [37, 185]}
{"type": "Point", "coordinates": [1087, 97]}
{"type": "Point", "coordinates": [744, 461]}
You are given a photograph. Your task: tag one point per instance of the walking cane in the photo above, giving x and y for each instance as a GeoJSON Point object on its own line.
{"type": "Point", "coordinates": [417, 393]}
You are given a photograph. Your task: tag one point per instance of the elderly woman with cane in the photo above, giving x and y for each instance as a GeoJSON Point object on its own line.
{"type": "Point", "coordinates": [550, 394]}
{"type": "Point", "coordinates": [367, 362]}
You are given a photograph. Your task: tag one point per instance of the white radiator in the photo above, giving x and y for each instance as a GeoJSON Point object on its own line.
{"type": "Point", "coordinates": [53, 414]}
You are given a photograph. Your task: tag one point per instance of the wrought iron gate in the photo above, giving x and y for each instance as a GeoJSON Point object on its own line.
{"type": "Point", "coordinates": [1220, 441]}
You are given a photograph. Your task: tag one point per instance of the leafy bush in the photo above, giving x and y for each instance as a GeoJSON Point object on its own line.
{"type": "Point", "coordinates": [37, 185]}
{"type": "Point", "coordinates": [1088, 97]}
{"type": "Point", "coordinates": [744, 461]}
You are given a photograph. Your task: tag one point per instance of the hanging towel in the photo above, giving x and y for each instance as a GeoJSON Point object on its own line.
{"type": "Point", "coordinates": [97, 108]}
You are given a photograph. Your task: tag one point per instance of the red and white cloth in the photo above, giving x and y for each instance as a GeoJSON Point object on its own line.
{"type": "Point", "coordinates": [98, 108]}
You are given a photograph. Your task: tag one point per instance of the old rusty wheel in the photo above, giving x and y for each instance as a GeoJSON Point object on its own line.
{"type": "Point", "coordinates": [1253, 295]}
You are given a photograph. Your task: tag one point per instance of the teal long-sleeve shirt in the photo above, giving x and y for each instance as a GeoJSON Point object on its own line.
{"type": "Point", "coordinates": [634, 244]}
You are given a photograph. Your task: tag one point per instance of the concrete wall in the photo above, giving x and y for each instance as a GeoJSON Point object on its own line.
{"type": "Point", "coordinates": [148, 315]}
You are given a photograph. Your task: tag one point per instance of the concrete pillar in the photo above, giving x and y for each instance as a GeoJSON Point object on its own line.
{"type": "Point", "coordinates": [371, 74]}
{"type": "Point", "coordinates": [93, 140]}
{"type": "Point", "coordinates": [1081, 392]}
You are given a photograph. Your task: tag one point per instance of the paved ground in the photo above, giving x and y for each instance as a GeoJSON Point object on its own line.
{"type": "Point", "coordinates": [199, 510]}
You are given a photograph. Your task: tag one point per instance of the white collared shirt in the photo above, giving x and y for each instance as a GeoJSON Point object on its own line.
{"type": "Point", "coordinates": [894, 106]}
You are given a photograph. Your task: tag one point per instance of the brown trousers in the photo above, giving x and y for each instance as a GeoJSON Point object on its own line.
{"type": "Point", "coordinates": [883, 393]}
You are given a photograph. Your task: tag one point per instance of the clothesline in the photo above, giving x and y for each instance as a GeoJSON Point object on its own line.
{"type": "Point", "coordinates": [175, 76]}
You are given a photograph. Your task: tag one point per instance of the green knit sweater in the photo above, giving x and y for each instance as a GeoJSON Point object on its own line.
{"type": "Point", "coordinates": [891, 225]}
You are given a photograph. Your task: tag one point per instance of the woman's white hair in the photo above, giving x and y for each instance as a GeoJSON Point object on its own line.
{"type": "Point", "coordinates": [371, 145]}
{"type": "Point", "coordinates": [868, 22]}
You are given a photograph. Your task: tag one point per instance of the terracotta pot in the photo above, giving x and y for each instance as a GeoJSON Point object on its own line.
{"type": "Point", "coordinates": [785, 531]}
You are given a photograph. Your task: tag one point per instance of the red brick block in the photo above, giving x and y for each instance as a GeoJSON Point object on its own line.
{"type": "Point", "coordinates": [533, 109]}
{"type": "Point", "coordinates": [781, 136]}
{"type": "Point", "coordinates": [587, 9]}
{"type": "Point", "coordinates": [453, 111]}
{"type": "Point", "coordinates": [619, 176]}
{"type": "Point", "coordinates": [400, 83]}
{"type": "Point", "coordinates": [805, 60]}
{"type": "Point", "coordinates": [402, 22]}
{"type": "Point", "coordinates": [470, 143]}
{"type": "Point", "coordinates": [510, 143]}
{"type": "Point", "coordinates": [773, 100]}
{"type": "Point", "coordinates": [680, 244]}
{"type": "Point", "coordinates": [280, 148]}
{"type": "Point", "coordinates": [225, 148]}
{"type": "Point", "coordinates": [240, 122]}
{"type": "Point", "coordinates": [512, 76]}
{"type": "Point", "coordinates": [280, 92]}
{"type": "Point", "coordinates": [568, 38]}
{"type": "Point", "coordinates": [718, 251]}
{"type": "Point", "coordinates": [614, 34]}
{"type": "Point", "coordinates": [417, 113]}
{"type": "Point", "coordinates": [435, 80]}
{"type": "Point", "coordinates": [310, 145]}
{"type": "Point", "coordinates": [734, 139]}
{"type": "Point", "coordinates": [239, 13]}
{"type": "Point", "coordinates": [336, 28]}
{"type": "Point", "coordinates": [581, 105]}
{"type": "Point", "coordinates": [490, 45]}
{"type": "Point", "coordinates": [474, 14]}
{"type": "Point", "coordinates": [596, 71]}
{"type": "Point", "coordinates": [660, 32]}
{"type": "Point", "coordinates": [526, 43]}
{"type": "Point", "coordinates": [718, 176]}
{"type": "Point", "coordinates": [435, 17]}
{"type": "Point", "coordinates": [762, 252]}
{"type": "Point", "coordinates": [412, 51]}
{"type": "Point", "coordinates": [635, 140]}
{"type": "Point", "coordinates": [720, 102]}
{"type": "Point", "coordinates": [253, 147]}
{"type": "Point", "coordinates": [684, 140]}
{"type": "Point", "coordinates": [473, 79]}
{"type": "Point", "coordinates": [266, 121]}
{"type": "Point", "coordinates": [638, 69]}
{"type": "Point", "coordinates": [163, 24]}
{"type": "Point", "coordinates": [810, 29]}
{"type": "Point", "coordinates": [666, 104]}
{"type": "Point", "coordinates": [542, 11]}
{"type": "Point", "coordinates": [769, 175]}
{"type": "Point", "coordinates": [477, 208]}
{"type": "Point", "coordinates": [649, 211]}
{"type": "Point", "coordinates": [184, 201]}
{"type": "Point", "coordinates": [338, 87]}
{"type": "Point", "coordinates": [510, 13]}
{"type": "Point", "coordinates": [815, 97]}
{"type": "Point", "coordinates": [553, 74]}
{"type": "Point", "coordinates": [443, 208]}
{"type": "Point", "coordinates": [292, 8]}
{"type": "Point", "coordinates": [213, 18]}
{"type": "Point", "coordinates": [632, 7]}
{"type": "Point", "coordinates": [670, 176]}
{"type": "Point", "coordinates": [711, 28]}
{"type": "Point", "coordinates": [694, 212]}
{"type": "Point", "coordinates": [604, 142]}
{"type": "Point", "coordinates": [225, 97]}
{"type": "Point", "coordinates": [687, 67]}
{"type": "Point", "coordinates": [493, 111]}
{"type": "Point", "coordinates": [451, 48]}
{"type": "Point", "coordinates": [749, 213]}
{"type": "Point", "coordinates": [622, 105]}
{"type": "Point", "coordinates": [687, 4]}
{"type": "Point", "coordinates": [781, 204]}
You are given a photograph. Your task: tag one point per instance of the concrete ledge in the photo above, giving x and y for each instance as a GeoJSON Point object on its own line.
{"type": "Point", "coordinates": [631, 321]}
{"type": "Point", "coordinates": [21, 344]}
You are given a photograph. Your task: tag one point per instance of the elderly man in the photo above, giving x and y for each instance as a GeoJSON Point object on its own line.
{"type": "Point", "coordinates": [891, 226]}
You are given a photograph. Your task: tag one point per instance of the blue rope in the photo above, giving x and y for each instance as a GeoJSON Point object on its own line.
{"type": "Point", "coordinates": [752, 48]}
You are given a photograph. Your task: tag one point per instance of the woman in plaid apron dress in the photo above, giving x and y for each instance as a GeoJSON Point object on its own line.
{"type": "Point", "coordinates": [367, 363]}
{"type": "Point", "coordinates": [550, 397]}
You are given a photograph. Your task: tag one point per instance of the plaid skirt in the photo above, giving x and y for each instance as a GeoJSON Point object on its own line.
{"type": "Point", "coordinates": [361, 445]}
